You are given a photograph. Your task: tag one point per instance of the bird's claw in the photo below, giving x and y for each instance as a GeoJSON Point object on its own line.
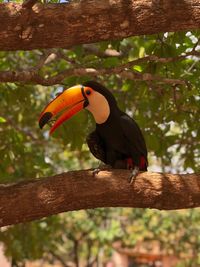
{"type": "Point", "coordinates": [96, 171]}
{"type": "Point", "coordinates": [101, 167]}
{"type": "Point", "coordinates": [133, 175]}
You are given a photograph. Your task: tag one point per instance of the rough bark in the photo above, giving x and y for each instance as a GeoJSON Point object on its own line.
{"type": "Point", "coordinates": [89, 21]}
{"type": "Point", "coordinates": [26, 201]}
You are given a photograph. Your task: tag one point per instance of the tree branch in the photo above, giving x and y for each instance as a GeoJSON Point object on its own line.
{"type": "Point", "coordinates": [89, 21]}
{"type": "Point", "coordinates": [32, 75]}
{"type": "Point", "coordinates": [30, 200]}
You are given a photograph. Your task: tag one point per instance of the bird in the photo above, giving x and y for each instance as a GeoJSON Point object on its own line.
{"type": "Point", "coordinates": [117, 140]}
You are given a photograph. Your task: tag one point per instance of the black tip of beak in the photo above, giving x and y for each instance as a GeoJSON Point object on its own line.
{"type": "Point", "coordinates": [44, 119]}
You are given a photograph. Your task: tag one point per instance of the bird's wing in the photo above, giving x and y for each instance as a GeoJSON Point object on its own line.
{"type": "Point", "coordinates": [96, 146]}
{"type": "Point", "coordinates": [134, 135]}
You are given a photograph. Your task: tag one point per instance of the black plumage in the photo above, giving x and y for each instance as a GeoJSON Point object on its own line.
{"type": "Point", "coordinates": [118, 141]}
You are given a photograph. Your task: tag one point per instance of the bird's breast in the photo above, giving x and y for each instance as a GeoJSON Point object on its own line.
{"type": "Point", "coordinates": [113, 137]}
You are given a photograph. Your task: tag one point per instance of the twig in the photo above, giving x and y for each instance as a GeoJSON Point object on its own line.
{"type": "Point", "coordinates": [197, 43]}
{"type": "Point", "coordinates": [59, 258]}
{"type": "Point", "coordinates": [46, 58]}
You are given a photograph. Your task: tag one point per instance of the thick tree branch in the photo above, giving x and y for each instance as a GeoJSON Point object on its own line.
{"type": "Point", "coordinates": [77, 190]}
{"type": "Point", "coordinates": [89, 21]}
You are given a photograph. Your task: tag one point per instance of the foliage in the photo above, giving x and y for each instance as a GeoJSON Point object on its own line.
{"type": "Point", "coordinates": [167, 113]}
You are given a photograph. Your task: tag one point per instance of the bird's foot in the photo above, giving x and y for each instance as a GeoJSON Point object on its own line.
{"type": "Point", "coordinates": [102, 167]}
{"type": "Point", "coordinates": [133, 175]}
{"type": "Point", "coordinates": [96, 171]}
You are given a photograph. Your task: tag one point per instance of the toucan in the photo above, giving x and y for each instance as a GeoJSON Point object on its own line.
{"type": "Point", "coordinates": [117, 140]}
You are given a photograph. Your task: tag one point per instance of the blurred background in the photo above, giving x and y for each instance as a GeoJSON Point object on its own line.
{"type": "Point", "coordinates": [167, 112]}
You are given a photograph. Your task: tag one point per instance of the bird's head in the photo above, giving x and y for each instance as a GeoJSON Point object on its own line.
{"type": "Point", "coordinates": [92, 96]}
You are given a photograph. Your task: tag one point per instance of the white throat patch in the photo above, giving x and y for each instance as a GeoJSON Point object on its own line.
{"type": "Point", "coordinates": [99, 107]}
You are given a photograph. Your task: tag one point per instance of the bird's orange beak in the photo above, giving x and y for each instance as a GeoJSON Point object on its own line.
{"type": "Point", "coordinates": [67, 104]}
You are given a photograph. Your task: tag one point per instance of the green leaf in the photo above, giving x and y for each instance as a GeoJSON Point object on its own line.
{"type": "Point", "coordinates": [2, 120]}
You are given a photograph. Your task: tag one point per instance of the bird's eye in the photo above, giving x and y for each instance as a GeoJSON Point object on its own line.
{"type": "Point", "coordinates": [88, 92]}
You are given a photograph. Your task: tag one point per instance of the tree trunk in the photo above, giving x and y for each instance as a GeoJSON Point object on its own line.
{"type": "Point", "coordinates": [89, 21]}
{"type": "Point", "coordinates": [26, 201]}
